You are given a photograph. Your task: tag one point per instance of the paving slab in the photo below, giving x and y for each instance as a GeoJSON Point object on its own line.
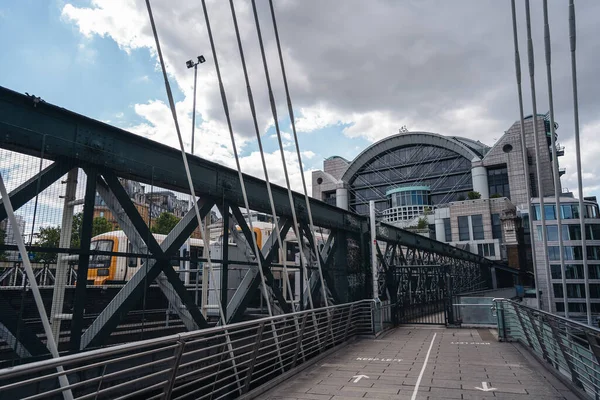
{"type": "Point", "coordinates": [424, 363]}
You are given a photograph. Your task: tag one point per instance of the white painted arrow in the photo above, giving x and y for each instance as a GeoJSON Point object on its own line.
{"type": "Point", "coordinates": [359, 377]}
{"type": "Point", "coordinates": [484, 387]}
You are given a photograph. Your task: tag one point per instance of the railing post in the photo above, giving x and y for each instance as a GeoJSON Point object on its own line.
{"type": "Point", "coordinates": [171, 382]}
{"type": "Point", "coordinates": [248, 379]}
{"type": "Point", "coordinates": [567, 357]}
{"type": "Point", "coordinates": [540, 339]}
{"type": "Point", "coordinates": [348, 322]}
{"type": "Point", "coordinates": [523, 327]}
{"type": "Point", "coordinates": [299, 342]}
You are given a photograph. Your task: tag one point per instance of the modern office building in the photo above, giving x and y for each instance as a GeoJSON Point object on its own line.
{"type": "Point", "coordinates": [549, 271]}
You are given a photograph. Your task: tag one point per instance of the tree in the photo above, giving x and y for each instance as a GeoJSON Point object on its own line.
{"type": "Point", "coordinates": [48, 237]}
{"type": "Point", "coordinates": [495, 196]}
{"type": "Point", "coordinates": [422, 224]}
{"type": "Point", "coordinates": [164, 223]}
{"type": "Point", "coordinates": [100, 226]}
{"type": "Point", "coordinates": [473, 195]}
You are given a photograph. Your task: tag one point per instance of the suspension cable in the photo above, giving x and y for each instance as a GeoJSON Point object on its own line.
{"type": "Point", "coordinates": [237, 159]}
{"type": "Point", "coordinates": [537, 149]}
{"type": "Point", "coordinates": [582, 210]}
{"type": "Point", "coordinates": [293, 124]}
{"type": "Point", "coordinates": [297, 229]}
{"type": "Point", "coordinates": [524, 146]}
{"type": "Point", "coordinates": [555, 158]}
{"type": "Point", "coordinates": [260, 146]}
{"type": "Point", "coordinates": [189, 176]}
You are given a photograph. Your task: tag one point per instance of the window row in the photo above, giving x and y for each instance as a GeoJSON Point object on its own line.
{"type": "Point", "coordinates": [576, 290]}
{"type": "Point", "coordinates": [410, 155]}
{"type": "Point", "coordinates": [568, 211]}
{"type": "Point", "coordinates": [575, 271]}
{"type": "Point", "coordinates": [409, 198]}
{"type": "Point", "coordinates": [570, 232]}
{"type": "Point", "coordinates": [486, 249]}
{"type": "Point", "coordinates": [577, 307]}
{"type": "Point", "coordinates": [476, 224]}
{"type": "Point", "coordinates": [573, 253]}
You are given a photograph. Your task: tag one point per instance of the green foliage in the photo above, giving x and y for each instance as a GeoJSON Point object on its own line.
{"type": "Point", "coordinates": [474, 195]}
{"type": "Point", "coordinates": [48, 237]}
{"type": "Point", "coordinates": [495, 196]}
{"type": "Point", "coordinates": [422, 224]}
{"type": "Point", "coordinates": [460, 198]}
{"type": "Point", "coordinates": [164, 223]}
{"type": "Point", "coordinates": [100, 226]}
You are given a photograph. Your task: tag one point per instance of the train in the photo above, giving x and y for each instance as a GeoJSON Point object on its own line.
{"type": "Point", "coordinates": [112, 269]}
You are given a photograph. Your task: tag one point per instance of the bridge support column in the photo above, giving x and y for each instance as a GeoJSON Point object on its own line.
{"type": "Point", "coordinates": [84, 260]}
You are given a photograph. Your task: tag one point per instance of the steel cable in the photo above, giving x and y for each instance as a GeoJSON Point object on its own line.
{"type": "Point", "coordinates": [293, 124]}
{"type": "Point", "coordinates": [185, 163]}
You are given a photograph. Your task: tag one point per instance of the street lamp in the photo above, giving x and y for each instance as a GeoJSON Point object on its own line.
{"type": "Point", "coordinates": [193, 64]}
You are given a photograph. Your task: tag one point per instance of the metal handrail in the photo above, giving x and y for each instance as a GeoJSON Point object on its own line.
{"type": "Point", "coordinates": [218, 361]}
{"type": "Point", "coordinates": [569, 347]}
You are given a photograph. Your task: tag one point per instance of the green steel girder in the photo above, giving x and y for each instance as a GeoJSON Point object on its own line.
{"type": "Point", "coordinates": [23, 336]}
{"type": "Point", "coordinates": [27, 125]}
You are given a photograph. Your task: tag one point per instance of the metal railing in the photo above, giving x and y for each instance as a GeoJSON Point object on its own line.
{"type": "Point", "coordinates": [216, 363]}
{"type": "Point", "coordinates": [570, 348]}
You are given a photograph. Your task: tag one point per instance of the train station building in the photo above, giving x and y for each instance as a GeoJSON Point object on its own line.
{"type": "Point", "coordinates": [459, 191]}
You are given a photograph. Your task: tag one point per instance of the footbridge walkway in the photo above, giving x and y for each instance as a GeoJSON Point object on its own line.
{"type": "Point", "coordinates": [343, 351]}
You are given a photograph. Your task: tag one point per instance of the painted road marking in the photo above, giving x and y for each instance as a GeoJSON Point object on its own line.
{"type": "Point", "coordinates": [484, 387]}
{"type": "Point", "coordinates": [414, 395]}
{"type": "Point", "coordinates": [379, 359]}
{"type": "Point", "coordinates": [359, 377]}
{"type": "Point", "coordinates": [482, 343]}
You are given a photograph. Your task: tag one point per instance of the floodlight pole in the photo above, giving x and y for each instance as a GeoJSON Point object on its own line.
{"type": "Point", "coordinates": [194, 107]}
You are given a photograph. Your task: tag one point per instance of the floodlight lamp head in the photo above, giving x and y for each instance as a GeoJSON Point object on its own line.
{"type": "Point", "coordinates": [189, 63]}
{"type": "Point", "coordinates": [201, 59]}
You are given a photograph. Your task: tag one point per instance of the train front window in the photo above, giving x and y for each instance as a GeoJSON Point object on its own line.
{"type": "Point", "coordinates": [101, 260]}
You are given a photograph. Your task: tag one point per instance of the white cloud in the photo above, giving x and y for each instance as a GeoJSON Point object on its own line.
{"type": "Point", "coordinates": [371, 67]}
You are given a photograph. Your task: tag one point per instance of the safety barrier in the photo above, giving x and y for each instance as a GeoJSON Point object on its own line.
{"type": "Point", "coordinates": [220, 362]}
{"type": "Point", "coordinates": [570, 348]}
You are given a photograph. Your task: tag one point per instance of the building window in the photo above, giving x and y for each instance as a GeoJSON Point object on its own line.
{"type": "Point", "coordinates": [558, 290]}
{"type": "Point", "coordinates": [595, 290]}
{"type": "Point", "coordinates": [486, 249]}
{"type": "Point", "coordinates": [594, 271]}
{"type": "Point", "coordinates": [463, 228]}
{"type": "Point", "coordinates": [577, 307]}
{"type": "Point", "coordinates": [556, 271]}
{"type": "Point", "coordinates": [533, 185]}
{"type": "Point", "coordinates": [551, 233]}
{"type": "Point", "coordinates": [560, 307]}
{"type": "Point", "coordinates": [576, 290]}
{"type": "Point", "coordinates": [448, 229]}
{"type": "Point", "coordinates": [572, 271]}
{"type": "Point", "coordinates": [498, 182]}
{"type": "Point", "coordinates": [496, 227]}
{"type": "Point", "coordinates": [477, 222]}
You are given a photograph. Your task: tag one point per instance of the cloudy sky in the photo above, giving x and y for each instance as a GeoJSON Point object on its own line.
{"type": "Point", "coordinates": [358, 71]}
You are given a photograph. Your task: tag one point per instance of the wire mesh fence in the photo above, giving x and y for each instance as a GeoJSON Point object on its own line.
{"type": "Point", "coordinates": [71, 211]}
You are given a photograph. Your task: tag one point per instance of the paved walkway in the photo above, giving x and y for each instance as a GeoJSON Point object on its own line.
{"type": "Point", "coordinates": [425, 363]}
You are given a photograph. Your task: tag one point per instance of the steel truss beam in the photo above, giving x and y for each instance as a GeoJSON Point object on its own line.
{"type": "Point", "coordinates": [27, 125]}
{"type": "Point", "coordinates": [22, 340]}
{"type": "Point", "coordinates": [139, 246]}
{"type": "Point", "coordinates": [127, 297]}
{"type": "Point", "coordinates": [326, 259]}
{"type": "Point", "coordinates": [266, 260]}
{"type": "Point", "coordinates": [29, 189]}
